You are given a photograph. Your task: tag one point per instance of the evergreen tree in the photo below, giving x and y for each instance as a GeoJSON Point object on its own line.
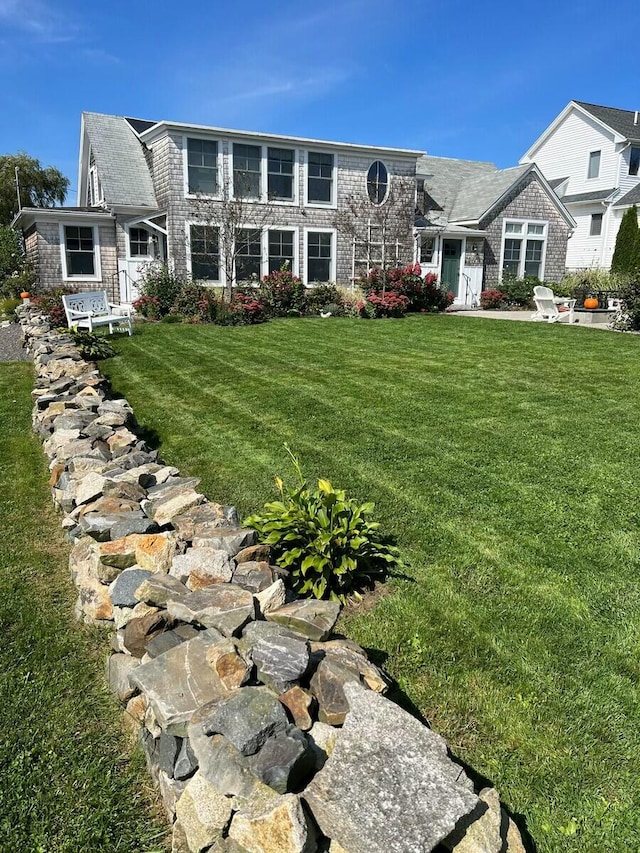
{"type": "Point", "coordinates": [626, 257]}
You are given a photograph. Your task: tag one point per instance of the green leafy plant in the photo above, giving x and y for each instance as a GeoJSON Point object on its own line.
{"type": "Point", "coordinates": [8, 308]}
{"type": "Point", "coordinates": [162, 284]}
{"type": "Point", "coordinates": [626, 255]}
{"type": "Point", "coordinates": [325, 539]}
{"type": "Point", "coordinates": [51, 304]}
{"type": "Point", "coordinates": [93, 347]}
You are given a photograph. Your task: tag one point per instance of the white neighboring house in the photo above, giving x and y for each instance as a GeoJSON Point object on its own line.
{"type": "Point", "coordinates": [590, 155]}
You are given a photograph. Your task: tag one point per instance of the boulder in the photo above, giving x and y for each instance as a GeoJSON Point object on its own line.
{"type": "Point", "coordinates": [170, 792]}
{"type": "Point", "coordinates": [274, 825]}
{"type": "Point", "coordinates": [200, 521]}
{"type": "Point", "coordinates": [200, 567]}
{"type": "Point", "coordinates": [160, 589]}
{"type": "Point", "coordinates": [389, 783]}
{"type": "Point", "coordinates": [314, 619]}
{"type": "Point", "coordinates": [247, 718]}
{"type": "Point", "coordinates": [322, 740]}
{"type": "Point", "coordinates": [352, 656]}
{"type": "Point", "coordinates": [229, 539]}
{"type": "Point", "coordinates": [140, 631]}
{"type": "Point", "coordinates": [220, 762]}
{"type": "Point", "coordinates": [203, 813]}
{"type": "Point", "coordinates": [179, 681]}
{"type": "Point", "coordinates": [258, 553]}
{"type": "Point", "coordinates": [170, 499]}
{"type": "Point", "coordinates": [327, 685]}
{"type": "Point", "coordinates": [170, 639]}
{"type": "Point", "coordinates": [254, 576]}
{"type": "Point", "coordinates": [271, 598]}
{"type": "Point", "coordinates": [222, 606]}
{"type": "Point", "coordinates": [281, 661]}
{"type": "Point", "coordinates": [186, 762]}
{"type": "Point", "coordinates": [479, 831]}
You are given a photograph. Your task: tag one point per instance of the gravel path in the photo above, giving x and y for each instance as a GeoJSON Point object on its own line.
{"type": "Point", "coordinates": [11, 344]}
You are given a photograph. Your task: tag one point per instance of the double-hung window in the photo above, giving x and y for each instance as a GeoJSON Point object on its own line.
{"type": "Point", "coordinates": [320, 188]}
{"type": "Point", "coordinates": [634, 161]}
{"type": "Point", "coordinates": [79, 251]}
{"type": "Point", "coordinates": [594, 164]}
{"type": "Point", "coordinates": [248, 254]}
{"type": "Point", "coordinates": [524, 249]}
{"type": "Point", "coordinates": [280, 249]}
{"type": "Point", "coordinates": [595, 229]}
{"type": "Point", "coordinates": [247, 166]}
{"type": "Point", "coordinates": [319, 255]}
{"type": "Point", "coordinates": [205, 252]}
{"type": "Point", "coordinates": [202, 165]}
{"type": "Point", "coordinates": [280, 169]}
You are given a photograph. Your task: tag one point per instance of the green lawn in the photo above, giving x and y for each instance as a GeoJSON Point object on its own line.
{"type": "Point", "coordinates": [67, 781]}
{"type": "Point", "coordinates": [504, 458]}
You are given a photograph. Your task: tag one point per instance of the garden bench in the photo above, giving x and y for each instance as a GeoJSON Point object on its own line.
{"type": "Point", "coordinates": [92, 309]}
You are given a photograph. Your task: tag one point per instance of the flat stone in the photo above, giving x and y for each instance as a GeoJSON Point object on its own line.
{"type": "Point", "coordinates": [123, 588]}
{"type": "Point", "coordinates": [170, 639]}
{"type": "Point", "coordinates": [178, 682]}
{"type": "Point", "coordinates": [118, 669]}
{"type": "Point", "coordinates": [202, 520]}
{"type": "Point", "coordinates": [479, 831]}
{"type": "Point", "coordinates": [140, 631]}
{"type": "Point", "coordinates": [203, 813]}
{"type": "Point", "coordinates": [229, 539]}
{"type": "Point", "coordinates": [271, 598]}
{"type": "Point", "coordinates": [276, 825]}
{"type": "Point", "coordinates": [102, 527]}
{"type": "Point", "coordinates": [314, 619]}
{"type": "Point", "coordinates": [258, 553]}
{"type": "Point", "coordinates": [119, 553]}
{"type": "Point", "coordinates": [200, 567]}
{"type": "Point", "coordinates": [229, 666]}
{"type": "Point", "coordinates": [299, 703]}
{"type": "Point", "coordinates": [125, 491]}
{"type": "Point", "coordinates": [170, 500]}
{"type": "Point", "coordinates": [155, 551]}
{"type": "Point", "coordinates": [389, 783]}
{"type": "Point", "coordinates": [247, 718]}
{"type": "Point", "coordinates": [351, 655]}
{"type": "Point", "coordinates": [281, 661]}
{"type": "Point", "coordinates": [222, 606]}
{"type": "Point", "coordinates": [120, 441]}
{"type": "Point", "coordinates": [94, 600]}
{"type": "Point", "coordinates": [160, 589]}
{"type": "Point", "coordinates": [285, 761]}
{"type": "Point", "coordinates": [253, 576]}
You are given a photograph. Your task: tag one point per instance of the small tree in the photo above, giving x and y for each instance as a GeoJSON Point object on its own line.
{"type": "Point", "coordinates": [39, 186]}
{"type": "Point", "coordinates": [16, 273]}
{"type": "Point", "coordinates": [626, 256]}
{"type": "Point", "coordinates": [381, 233]}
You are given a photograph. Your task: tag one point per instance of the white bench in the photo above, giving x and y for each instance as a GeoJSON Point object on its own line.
{"type": "Point", "coordinates": [92, 309]}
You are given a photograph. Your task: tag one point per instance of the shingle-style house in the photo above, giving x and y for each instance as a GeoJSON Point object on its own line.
{"type": "Point", "coordinates": [156, 191]}
{"type": "Point", "coordinates": [591, 156]}
{"type": "Point", "coordinates": [477, 223]}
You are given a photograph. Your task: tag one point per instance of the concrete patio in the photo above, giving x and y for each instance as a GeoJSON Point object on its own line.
{"type": "Point", "coordinates": [585, 319]}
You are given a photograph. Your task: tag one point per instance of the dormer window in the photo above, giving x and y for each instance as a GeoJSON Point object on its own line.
{"type": "Point", "coordinates": [634, 161]}
{"type": "Point", "coordinates": [594, 164]}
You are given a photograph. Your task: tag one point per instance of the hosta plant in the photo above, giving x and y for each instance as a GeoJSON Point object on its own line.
{"type": "Point", "coordinates": [326, 540]}
{"type": "Point", "coordinates": [92, 346]}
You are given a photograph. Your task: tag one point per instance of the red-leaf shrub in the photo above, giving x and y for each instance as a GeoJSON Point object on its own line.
{"type": "Point", "coordinates": [148, 306]}
{"type": "Point", "coordinates": [282, 293]}
{"type": "Point", "coordinates": [50, 303]}
{"type": "Point", "coordinates": [247, 309]}
{"type": "Point", "coordinates": [390, 305]}
{"type": "Point", "coordinates": [491, 299]}
{"type": "Point", "coordinates": [423, 294]}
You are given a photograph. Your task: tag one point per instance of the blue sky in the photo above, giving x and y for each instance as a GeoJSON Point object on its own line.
{"type": "Point", "coordinates": [458, 79]}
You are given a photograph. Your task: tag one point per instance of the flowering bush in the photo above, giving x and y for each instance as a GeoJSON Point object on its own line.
{"type": "Point", "coordinates": [160, 283]}
{"type": "Point", "coordinates": [390, 305]}
{"type": "Point", "coordinates": [189, 299]}
{"type": "Point", "coordinates": [282, 293]}
{"type": "Point", "coordinates": [424, 294]}
{"type": "Point", "coordinates": [247, 310]}
{"type": "Point", "coordinates": [148, 306]}
{"type": "Point", "coordinates": [491, 299]}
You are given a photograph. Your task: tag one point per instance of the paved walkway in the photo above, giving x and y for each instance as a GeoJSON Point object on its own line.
{"type": "Point", "coordinates": [11, 348]}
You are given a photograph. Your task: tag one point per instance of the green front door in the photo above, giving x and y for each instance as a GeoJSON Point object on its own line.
{"type": "Point", "coordinates": [451, 254]}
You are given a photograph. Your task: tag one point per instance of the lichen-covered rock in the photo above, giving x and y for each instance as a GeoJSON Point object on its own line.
{"type": "Point", "coordinates": [203, 813]}
{"type": "Point", "coordinates": [314, 619]}
{"type": "Point", "coordinates": [479, 831]}
{"type": "Point", "coordinates": [274, 825]}
{"type": "Point", "coordinates": [389, 783]}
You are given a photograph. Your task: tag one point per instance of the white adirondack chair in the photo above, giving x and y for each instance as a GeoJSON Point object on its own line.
{"type": "Point", "coordinates": [88, 310]}
{"type": "Point", "coordinates": [550, 308]}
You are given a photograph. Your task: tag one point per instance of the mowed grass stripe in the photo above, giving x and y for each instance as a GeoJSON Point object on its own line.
{"type": "Point", "coordinates": [501, 455]}
{"type": "Point", "coordinates": [69, 784]}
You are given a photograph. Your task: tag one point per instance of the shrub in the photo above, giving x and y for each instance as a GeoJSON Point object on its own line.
{"type": "Point", "coordinates": [281, 293]}
{"type": "Point", "coordinates": [492, 299]}
{"type": "Point", "coordinates": [390, 305]}
{"type": "Point", "coordinates": [50, 303]}
{"type": "Point", "coordinates": [626, 256]}
{"type": "Point", "coordinates": [148, 306]}
{"type": "Point", "coordinates": [93, 347]}
{"type": "Point", "coordinates": [423, 294]}
{"type": "Point", "coordinates": [189, 299]}
{"type": "Point", "coordinates": [519, 291]}
{"type": "Point", "coordinates": [16, 273]}
{"type": "Point", "coordinates": [8, 308]}
{"type": "Point", "coordinates": [172, 319]}
{"type": "Point", "coordinates": [325, 540]}
{"type": "Point", "coordinates": [628, 318]}
{"type": "Point", "coordinates": [319, 298]}
{"type": "Point", "coordinates": [246, 310]}
{"type": "Point", "coordinates": [160, 283]}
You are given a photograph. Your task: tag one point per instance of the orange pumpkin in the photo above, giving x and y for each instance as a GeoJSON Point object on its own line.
{"type": "Point", "coordinates": [591, 302]}
{"type": "Point", "coordinates": [25, 294]}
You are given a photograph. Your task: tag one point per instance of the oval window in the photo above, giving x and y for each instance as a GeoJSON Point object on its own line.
{"type": "Point", "coordinates": [377, 182]}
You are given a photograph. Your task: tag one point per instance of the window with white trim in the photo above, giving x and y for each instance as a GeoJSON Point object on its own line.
{"type": "Point", "coordinates": [79, 251]}
{"type": "Point", "coordinates": [248, 254]}
{"type": "Point", "coordinates": [280, 167]}
{"type": "Point", "coordinates": [594, 164]}
{"type": "Point", "coordinates": [204, 241]}
{"type": "Point", "coordinates": [523, 249]}
{"type": "Point", "coordinates": [634, 161]}
{"type": "Point", "coordinates": [280, 249]}
{"type": "Point", "coordinates": [138, 242]}
{"type": "Point", "coordinates": [319, 255]}
{"type": "Point", "coordinates": [202, 166]}
{"type": "Point", "coordinates": [319, 177]}
{"type": "Point", "coordinates": [427, 248]}
{"type": "Point", "coordinates": [247, 169]}
{"type": "Point", "coordinates": [595, 228]}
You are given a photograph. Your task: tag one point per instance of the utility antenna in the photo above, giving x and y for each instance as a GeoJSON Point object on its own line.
{"type": "Point", "coordinates": [18, 190]}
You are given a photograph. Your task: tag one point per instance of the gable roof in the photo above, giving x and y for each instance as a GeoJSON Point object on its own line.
{"type": "Point", "coordinates": [632, 197]}
{"type": "Point", "coordinates": [478, 197]}
{"type": "Point", "coordinates": [624, 122]}
{"type": "Point", "coordinates": [119, 156]}
{"type": "Point", "coordinates": [444, 178]}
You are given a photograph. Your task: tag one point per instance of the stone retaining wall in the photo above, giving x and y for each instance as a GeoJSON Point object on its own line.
{"type": "Point", "coordinates": [265, 732]}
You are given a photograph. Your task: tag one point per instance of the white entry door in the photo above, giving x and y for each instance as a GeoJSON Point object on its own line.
{"type": "Point", "coordinates": [144, 247]}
